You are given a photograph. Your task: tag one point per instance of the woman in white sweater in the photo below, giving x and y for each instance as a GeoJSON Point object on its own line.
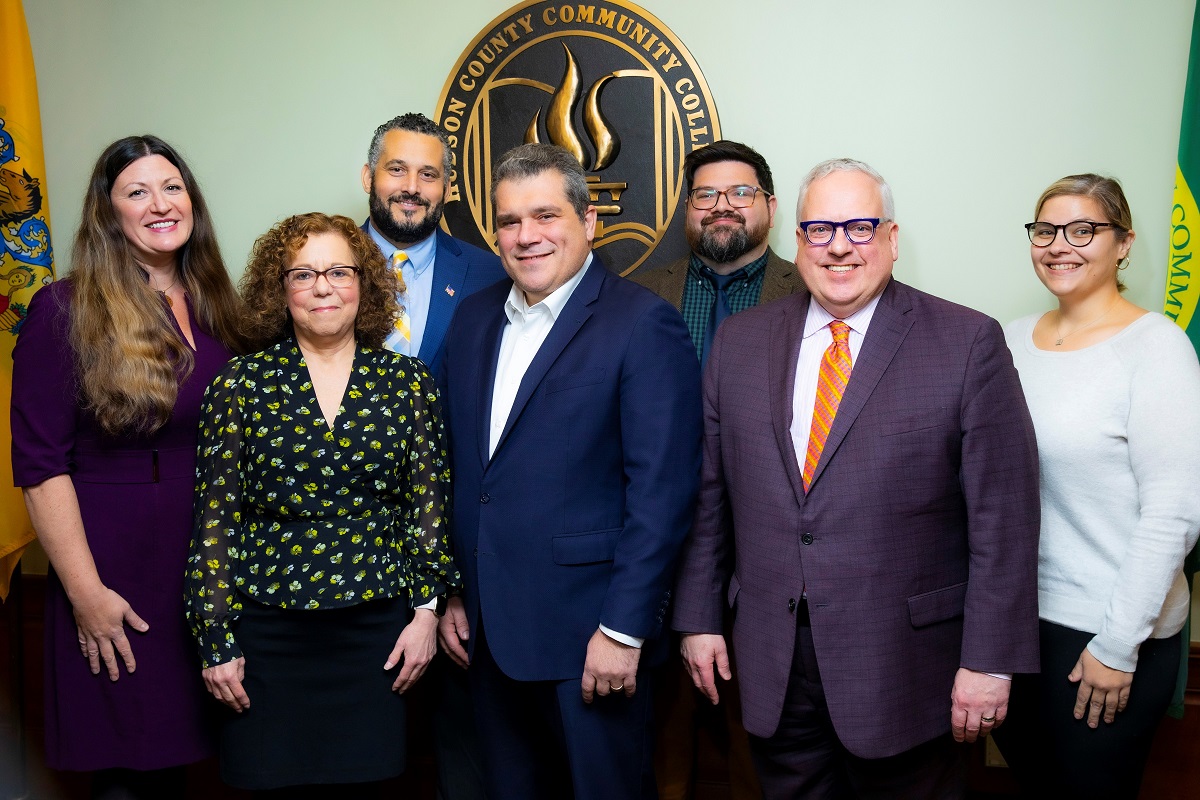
{"type": "Point", "coordinates": [1114, 391]}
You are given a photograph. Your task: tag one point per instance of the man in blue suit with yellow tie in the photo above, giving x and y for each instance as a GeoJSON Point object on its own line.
{"type": "Point", "coordinates": [406, 175]}
{"type": "Point", "coordinates": [571, 398]}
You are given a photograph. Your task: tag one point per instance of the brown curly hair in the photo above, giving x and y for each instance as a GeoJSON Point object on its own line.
{"type": "Point", "coordinates": [265, 297]}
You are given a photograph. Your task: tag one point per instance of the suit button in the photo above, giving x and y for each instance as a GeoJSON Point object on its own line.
{"type": "Point", "coordinates": [476, 552]}
{"type": "Point", "coordinates": [485, 498]}
{"type": "Point", "coordinates": [792, 604]}
{"type": "Point", "coordinates": [806, 538]}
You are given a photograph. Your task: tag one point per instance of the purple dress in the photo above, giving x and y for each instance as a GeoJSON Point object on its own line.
{"type": "Point", "coordinates": [135, 495]}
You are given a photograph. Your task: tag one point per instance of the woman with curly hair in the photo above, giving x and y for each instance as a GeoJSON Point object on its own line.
{"type": "Point", "coordinates": [108, 374]}
{"type": "Point", "coordinates": [320, 562]}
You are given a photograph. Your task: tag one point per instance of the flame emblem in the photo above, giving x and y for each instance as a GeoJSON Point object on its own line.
{"type": "Point", "coordinates": [560, 123]}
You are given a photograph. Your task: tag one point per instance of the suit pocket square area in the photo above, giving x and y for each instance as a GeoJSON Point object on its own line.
{"type": "Point", "coordinates": [574, 380]}
{"type": "Point", "coordinates": [592, 547]}
{"type": "Point", "coordinates": [937, 606]}
{"type": "Point", "coordinates": [916, 422]}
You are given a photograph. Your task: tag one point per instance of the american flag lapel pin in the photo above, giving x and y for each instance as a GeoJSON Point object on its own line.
{"type": "Point", "coordinates": [449, 290]}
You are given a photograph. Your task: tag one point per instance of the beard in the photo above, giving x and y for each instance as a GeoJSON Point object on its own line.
{"type": "Point", "coordinates": [724, 244]}
{"type": "Point", "coordinates": [407, 233]}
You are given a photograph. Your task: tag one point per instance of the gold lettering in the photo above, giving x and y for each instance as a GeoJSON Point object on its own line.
{"type": "Point", "coordinates": [585, 14]}
{"type": "Point", "coordinates": [661, 51]}
{"type": "Point", "coordinates": [465, 83]}
{"type": "Point", "coordinates": [639, 33]}
{"type": "Point", "coordinates": [692, 117]}
{"type": "Point", "coordinates": [698, 132]}
{"type": "Point", "coordinates": [650, 42]}
{"type": "Point", "coordinates": [690, 102]}
{"type": "Point", "coordinates": [672, 62]}
{"type": "Point", "coordinates": [546, 16]}
{"type": "Point", "coordinates": [475, 68]}
{"type": "Point", "coordinates": [499, 42]}
{"type": "Point", "coordinates": [511, 30]}
{"type": "Point", "coordinates": [607, 17]}
{"type": "Point", "coordinates": [524, 23]}
{"type": "Point", "coordinates": [456, 106]}
{"type": "Point", "coordinates": [626, 22]}
{"type": "Point", "coordinates": [452, 123]}
{"type": "Point", "coordinates": [486, 54]}
{"type": "Point", "coordinates": [680, 88]}
{"type": "Point", "coordinates": [566, 14]}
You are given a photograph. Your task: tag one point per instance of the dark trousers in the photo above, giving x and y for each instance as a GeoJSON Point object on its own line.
{"type": "Point", "coordinates": [1052, 754]}
{"type": "Point", "coordinates": [441, 702]}
{"type": "Point", "coordinates": [805, 759]}
{"type": "Point", "coordinates": [540, 741]}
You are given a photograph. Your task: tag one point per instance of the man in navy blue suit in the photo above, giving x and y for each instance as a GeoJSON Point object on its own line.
{"type": "Point", "coordinates": [571, 398]}
{"type": "Point", "coordinates": [406, 175]}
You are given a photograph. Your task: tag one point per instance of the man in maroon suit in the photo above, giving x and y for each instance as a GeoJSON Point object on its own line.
{"type": "Point", "coordinates": [868, 514]}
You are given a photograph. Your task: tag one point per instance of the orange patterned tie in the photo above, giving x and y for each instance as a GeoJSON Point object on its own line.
{"type": "Point", "coordinates": [831, 383]}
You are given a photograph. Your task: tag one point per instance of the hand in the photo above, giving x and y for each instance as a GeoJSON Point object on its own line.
{"type": "Point", "coordinates": [415, 648]}
{"type": "Point", "coordinates": [700, 652]}
{"type": "Point", "coordinates": [609, 667]}
{"type": "Point", "coordinates": [100, 619]}
{"type": "Point", "coordinates": [224, 682]}
{"type": "Point", "coordinates": [453, 632]}
{"type": "Point", "coordinates": [978, 704]}
{"type": "Point", "coordinates": [1101, 688]}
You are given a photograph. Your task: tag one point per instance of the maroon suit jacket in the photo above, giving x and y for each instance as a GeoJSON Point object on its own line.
{"type": "Point", "coordinates": [916, 543]}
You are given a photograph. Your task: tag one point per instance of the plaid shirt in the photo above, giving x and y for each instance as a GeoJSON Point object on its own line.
{"type": "Point", "coordinates": [699, 294]}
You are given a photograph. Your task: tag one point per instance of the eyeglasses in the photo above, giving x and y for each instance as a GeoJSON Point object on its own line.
{"type": "Point", "coordinates": [304, 278]}
{"type": "Point", "coordinates": [858, 231]}
{"type": "Point", "coordinates": [1078, 233]}
{"type": "Point", "coordinates": [736, 196]}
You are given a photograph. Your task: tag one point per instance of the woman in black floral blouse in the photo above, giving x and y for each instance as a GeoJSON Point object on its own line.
{"type": "Point", "coordinates": [320, 536]}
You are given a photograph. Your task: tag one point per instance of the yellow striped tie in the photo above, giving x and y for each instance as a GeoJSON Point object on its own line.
{"type": "Point", "coordinates": [831, 383]}
{"type": "Point", "coordinates": [398, 260]}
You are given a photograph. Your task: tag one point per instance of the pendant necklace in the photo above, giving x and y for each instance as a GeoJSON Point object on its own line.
{"type": "Point", "coordinates": [1058, 342]}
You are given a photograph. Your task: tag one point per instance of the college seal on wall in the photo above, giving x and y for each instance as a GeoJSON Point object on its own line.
{"type": "Point", "coordinates": [608, 82]}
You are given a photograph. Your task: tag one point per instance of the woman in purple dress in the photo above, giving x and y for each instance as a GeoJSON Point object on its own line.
{"type": "Point", "coordinates": [108, 374]}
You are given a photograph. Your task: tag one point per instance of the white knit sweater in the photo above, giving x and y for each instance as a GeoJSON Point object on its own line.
{"type": "Point", "coordinates": [1118, 434]}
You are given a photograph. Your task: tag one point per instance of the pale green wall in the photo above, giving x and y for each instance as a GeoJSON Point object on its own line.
{"type": "Point", "coordinates": [969, 109]}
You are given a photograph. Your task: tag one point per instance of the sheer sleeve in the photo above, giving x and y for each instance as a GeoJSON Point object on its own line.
{"type": "Point", "coordinates": [212, 576]}
{"type": "Point", "coordinates": [425, 537]}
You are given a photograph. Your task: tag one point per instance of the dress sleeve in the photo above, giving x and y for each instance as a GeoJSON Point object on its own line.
{"type": "Point", "coordinates": [44, 407]}
{"type": "Point", "coordinates": [212, 576]}
{"type": "Point", "coordinates": [426, 467]}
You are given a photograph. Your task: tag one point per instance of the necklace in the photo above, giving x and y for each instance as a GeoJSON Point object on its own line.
{"type": "Point", "coordinates": [1058, 342]}
{"type": "Point", "coordinates": [171, 303]}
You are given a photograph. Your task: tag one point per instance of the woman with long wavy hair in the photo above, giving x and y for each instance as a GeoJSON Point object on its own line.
{"type": "Point", "coordinates": [108, 374]}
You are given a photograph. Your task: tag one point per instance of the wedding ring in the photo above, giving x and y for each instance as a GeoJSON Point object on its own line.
{"type": "Point", "coordinates": [616, 688]}
{"type": "Point", "coordinates": [987, 719]}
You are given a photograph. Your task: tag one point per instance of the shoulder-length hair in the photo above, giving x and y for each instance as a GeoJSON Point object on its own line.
{"type": "Point", "coordinates": [268, 320]}
{"type": "Point", "coordinates": [128, 356]}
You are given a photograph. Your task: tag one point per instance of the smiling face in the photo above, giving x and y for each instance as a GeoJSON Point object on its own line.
{"type": "Point", "coordinates": [407, 186]}
{"type": "Point", "coordinates": [1078, 272]}
{"type": "Point", "coordinates": [723, 237]}
{"type": "Point", "coordinates": [322, 312]}
{"type": "Point", "coordinates": [542, 241]}
{"type": "Point", "coordinates": [844, 277]}
{"type": "Point", "coordinates": [155, 212]}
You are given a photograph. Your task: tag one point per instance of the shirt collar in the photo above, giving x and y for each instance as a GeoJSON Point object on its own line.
{"type": "Point", "coordinates": [699, 268]}
{"type": "Point", "coordinates": [859, 321]}
{"type": "Point", "coordinates": [420, 255]}
{"type": "Point", "coordinates": [554, 303]}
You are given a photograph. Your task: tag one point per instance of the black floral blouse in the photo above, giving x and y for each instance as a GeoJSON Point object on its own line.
{"type": "Point", "coordinates": [298, 515]}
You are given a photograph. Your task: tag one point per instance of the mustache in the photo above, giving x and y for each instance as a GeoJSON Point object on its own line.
{"type": "Point", "coordinates": [408, 197]}
{"type": "Point", "coordinates": [716, 215]}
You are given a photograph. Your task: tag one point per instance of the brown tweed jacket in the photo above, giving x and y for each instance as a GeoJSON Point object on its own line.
{"type": "Point", "coordinates": [780, 280]}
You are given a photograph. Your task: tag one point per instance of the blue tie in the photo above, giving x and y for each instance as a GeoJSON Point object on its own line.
{"type": "Point", "coordinates": [720, 307]}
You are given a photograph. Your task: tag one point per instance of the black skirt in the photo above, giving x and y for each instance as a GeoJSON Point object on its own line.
{"type": "Point", "coordinates": [322, 709]}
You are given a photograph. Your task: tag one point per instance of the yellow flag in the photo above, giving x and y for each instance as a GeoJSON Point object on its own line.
{"type": "Point", "coordinates": [26, 259]}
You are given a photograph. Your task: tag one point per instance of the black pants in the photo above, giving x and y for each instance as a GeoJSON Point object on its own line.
{"type": "Point", "coordinates": [1052, 754]}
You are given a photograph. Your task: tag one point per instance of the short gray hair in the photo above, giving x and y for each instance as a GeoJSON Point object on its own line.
{"type": "Point", "coordinates": [846, 165]}
{"type": "Point", "coordinates": [531, 160]}
{"type": "Point", "coordinates": [414, 123]}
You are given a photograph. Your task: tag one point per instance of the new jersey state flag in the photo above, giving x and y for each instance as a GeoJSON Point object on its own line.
{"type": "Point", "coordinates": [26, 259]}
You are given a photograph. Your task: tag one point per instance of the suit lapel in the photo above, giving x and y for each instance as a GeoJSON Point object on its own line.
{"type": "Point", "coordinates": [489, 355]}
{"type": "Point", "coordinates": [889, 325]}
{"type": "Point", "coordinates": [449, 273]}
{"type": "Point", "coordinates": [574, 314]}
{"type": "Point", "coordinates": [786, 338]}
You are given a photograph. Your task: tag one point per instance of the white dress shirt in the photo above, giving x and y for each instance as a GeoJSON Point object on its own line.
{"type": "Point", "coordinates": [417, 272]}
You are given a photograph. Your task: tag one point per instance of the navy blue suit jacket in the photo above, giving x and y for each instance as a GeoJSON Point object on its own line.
{"type": "Point", "coordinates": [459, 269]}
{"type": "Point", "coordinates": [578, 517]}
